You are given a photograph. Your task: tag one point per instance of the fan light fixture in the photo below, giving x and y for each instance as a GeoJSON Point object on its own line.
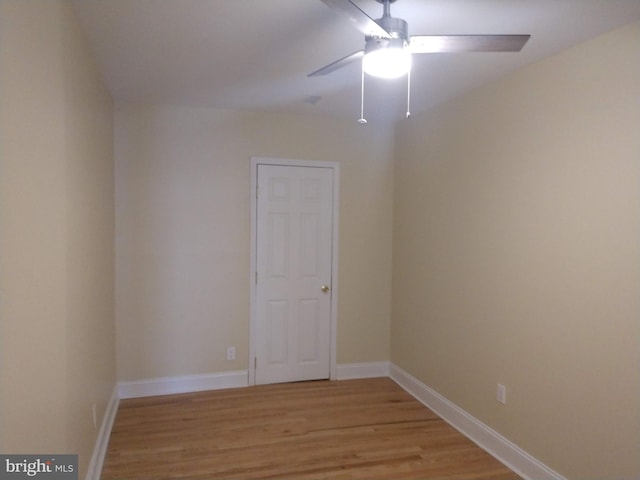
{"type": "Point", "coordinates": [387, 62]}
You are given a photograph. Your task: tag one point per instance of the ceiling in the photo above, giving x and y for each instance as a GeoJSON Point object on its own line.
{"type": "Point", "coordinates": [256, 54]}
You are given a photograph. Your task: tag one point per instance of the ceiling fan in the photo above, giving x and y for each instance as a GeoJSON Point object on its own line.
{"type": "Point", "coordinates": [389, 34]}
{"type": "Point", "coordinates": [388, 46]}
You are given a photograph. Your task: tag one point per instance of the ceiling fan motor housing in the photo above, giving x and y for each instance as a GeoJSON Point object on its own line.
{"type": "Point", "coordinates": [397, 27]}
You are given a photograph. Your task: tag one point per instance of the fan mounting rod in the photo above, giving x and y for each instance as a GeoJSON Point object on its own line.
{"type": "Point", "coordinates": [386, 12]}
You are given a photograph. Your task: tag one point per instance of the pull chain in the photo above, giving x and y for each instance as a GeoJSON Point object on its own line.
{"type": "Point", "coordinates": [408, 93]}
{"type": "Point", "coordinates": [362, 120]}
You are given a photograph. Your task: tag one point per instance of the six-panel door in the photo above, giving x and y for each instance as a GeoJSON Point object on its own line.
{"type": "Point", "coordinates": [293, 291]}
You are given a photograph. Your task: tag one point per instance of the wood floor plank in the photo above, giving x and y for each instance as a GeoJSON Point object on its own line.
{"type": "Point", "coordinates": [357, 429]}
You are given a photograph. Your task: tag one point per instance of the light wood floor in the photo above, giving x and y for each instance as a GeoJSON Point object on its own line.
{"type": "Point", "coordinates": [359, 429]}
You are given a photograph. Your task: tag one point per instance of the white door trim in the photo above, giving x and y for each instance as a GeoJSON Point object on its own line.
{"type": "Point", "coordinates": [335, 166]}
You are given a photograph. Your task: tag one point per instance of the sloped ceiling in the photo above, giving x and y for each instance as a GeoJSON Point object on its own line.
{"type": "Point", "coordinates": [256, 54]}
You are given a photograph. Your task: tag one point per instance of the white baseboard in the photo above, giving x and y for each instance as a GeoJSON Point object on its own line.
{"type": "Point", "coordinates": [183, 384]}
{"type": "Point", "coordinates": [94, 471]}
{"type": "Point", "coordinates": [488, 439]}
{"type": "Point", "coordinates": [217, 381]}
{"type": "Point", "coordinates": [352, 371]}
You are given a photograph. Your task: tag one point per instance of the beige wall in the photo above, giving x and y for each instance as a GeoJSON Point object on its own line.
{"type": "Point", "coordinates": [516, 255]}
{"type": "Point", "coordinates": [57, 355]}
{"type": "Point", "coordinates": [182, 223]}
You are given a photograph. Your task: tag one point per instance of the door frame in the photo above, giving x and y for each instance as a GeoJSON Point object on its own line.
{"type": "Point", "coordinates": [335, 166]}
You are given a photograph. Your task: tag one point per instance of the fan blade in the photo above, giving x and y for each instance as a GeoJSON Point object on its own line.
{"type": "Point", "coordinates": [357, 17]}
{"type": "Point", "coordinates": [343, 62]}
{"type": "Point", "coordinates": [467, 43]}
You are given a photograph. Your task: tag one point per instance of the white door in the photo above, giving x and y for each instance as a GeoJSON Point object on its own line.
{"type": "Point", "coordinates": [293, 260]}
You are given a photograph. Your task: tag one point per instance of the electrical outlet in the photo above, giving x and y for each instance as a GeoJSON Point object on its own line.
{"type": "Point", "coordinates": [231, 353]}
{"type": "Point", "coordinates": [501, 394]}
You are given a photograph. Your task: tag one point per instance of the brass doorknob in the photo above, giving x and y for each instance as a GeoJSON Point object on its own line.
{"type": "Point", "coordinates": [325, 288]}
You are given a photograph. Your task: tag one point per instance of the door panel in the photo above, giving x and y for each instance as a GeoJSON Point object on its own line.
{"type": "Point", "coordinates": [308, 331]}
{"type": "Point", "coordinates": [293, 257]}
{"type": "Point", "coordinates": [278, 247]}
{"type": "Point", "coordinates": [277, 348]}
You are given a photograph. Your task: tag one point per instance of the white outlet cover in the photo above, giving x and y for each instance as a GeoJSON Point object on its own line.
{"type": "Point", "coordinates": [501, 394]}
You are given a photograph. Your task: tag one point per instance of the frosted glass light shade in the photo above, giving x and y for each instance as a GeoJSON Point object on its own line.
{"type": "Point", "coordinates": [387, 62]}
